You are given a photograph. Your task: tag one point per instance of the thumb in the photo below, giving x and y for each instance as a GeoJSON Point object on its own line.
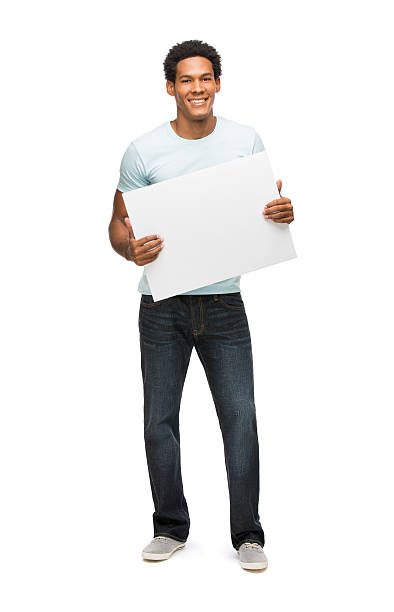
{"type": "Point", "coordinates": [279, 185]}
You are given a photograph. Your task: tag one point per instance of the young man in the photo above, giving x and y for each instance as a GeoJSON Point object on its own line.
{"type": "Point", "coordinates": [212, 319]}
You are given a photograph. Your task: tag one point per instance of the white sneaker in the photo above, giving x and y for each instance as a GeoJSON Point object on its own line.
{"type": "Point", "coordinates": [161, 548]}
{"type": "Point", "coordinates": [252, 556]}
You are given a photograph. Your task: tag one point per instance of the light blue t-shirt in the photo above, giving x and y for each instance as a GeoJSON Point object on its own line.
{"type": "Point", "coordinates": [161, 154]}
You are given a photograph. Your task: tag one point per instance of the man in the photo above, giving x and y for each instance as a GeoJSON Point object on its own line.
{"type": "Point", "coordinates": [212, 319]}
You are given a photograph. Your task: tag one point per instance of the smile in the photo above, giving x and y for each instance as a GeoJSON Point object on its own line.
{"type": "Point", "coordinates": [197, 101]}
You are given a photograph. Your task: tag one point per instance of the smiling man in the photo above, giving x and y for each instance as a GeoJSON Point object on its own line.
{"type": "Point", "coordinates": [212, 319]}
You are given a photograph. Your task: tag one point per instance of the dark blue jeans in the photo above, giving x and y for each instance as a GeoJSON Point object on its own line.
{"type": "Point", "coordinates": [217, 326]}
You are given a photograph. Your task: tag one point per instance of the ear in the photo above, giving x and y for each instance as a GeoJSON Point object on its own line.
{"type": "Point", "coordinates": [217, 84]}
{"type": "Point", "coordinates": [170, 88]}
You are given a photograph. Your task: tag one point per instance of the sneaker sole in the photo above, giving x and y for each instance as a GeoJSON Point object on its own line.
{"type": "Point", "coordinates": [254, 566]}
{"type": "Point", "coordinates": [160, 556]}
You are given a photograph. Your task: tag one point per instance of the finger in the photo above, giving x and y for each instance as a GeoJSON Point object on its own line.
{"type": "Point", "coordinates": [278, 202]}
{"type": "Point", "coordinates": [283, 220]}
{"type": "Point", "coordinates": [140, 252]}
{"type": "Point", "coordinates": [279, 185]}
{"type": "Point", "coordinates": [150, 246]}
{"type": "Point", "coordinates": [143, 256]}
{"type": "Point", "coordinates": [127, 222]}
{"type": "Point", "coordinates": [280, 214]}
{"type": "Point", "coordinates": [142, 241]}
{"type": "Point", "coordinates": [148, 259]}
{"type": "Point", "coordinates": [286, 208]}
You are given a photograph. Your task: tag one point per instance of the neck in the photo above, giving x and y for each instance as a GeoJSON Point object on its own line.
{"type": "Point", "coordinates": [192, 129]}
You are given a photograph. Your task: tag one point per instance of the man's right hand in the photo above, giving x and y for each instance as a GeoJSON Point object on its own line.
{"type": "Point", "coordinates": [140, 252]}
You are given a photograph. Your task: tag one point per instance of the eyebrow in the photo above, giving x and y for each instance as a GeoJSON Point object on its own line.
{"type": "Point", "coordinates": [190, 76]}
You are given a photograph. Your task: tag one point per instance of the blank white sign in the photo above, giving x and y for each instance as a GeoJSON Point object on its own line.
{"type": "Point", "coordinates": [212, 224]}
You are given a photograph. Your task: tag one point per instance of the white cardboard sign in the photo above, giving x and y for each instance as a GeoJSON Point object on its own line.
{"type": "Point", "coordinates": [212, 224]}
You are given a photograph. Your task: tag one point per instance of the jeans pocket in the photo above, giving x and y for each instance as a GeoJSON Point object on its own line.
{"type": "Point", "coordinates": [147, 301]}
{"type": "Point", "coordinates": [232, 301]}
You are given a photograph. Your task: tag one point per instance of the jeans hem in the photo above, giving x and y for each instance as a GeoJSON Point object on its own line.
{"type": "Point", "coordinates": [249, 540]}
{"type": "Point", "coordinates": [169, 535]}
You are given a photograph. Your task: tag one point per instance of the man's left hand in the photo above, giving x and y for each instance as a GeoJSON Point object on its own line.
{"type": "Point", "coordinates": [280, 210]}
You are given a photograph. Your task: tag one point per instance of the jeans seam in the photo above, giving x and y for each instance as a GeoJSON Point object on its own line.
{"type": "Point", "coordinates": [199, 331]}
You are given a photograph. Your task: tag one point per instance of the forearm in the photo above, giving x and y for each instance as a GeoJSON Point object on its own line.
{"type": "Point", "coordinates": [119, 237]}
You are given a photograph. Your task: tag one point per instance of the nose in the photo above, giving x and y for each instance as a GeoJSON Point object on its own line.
{"type": "Point", "coordinates": [197, 86]}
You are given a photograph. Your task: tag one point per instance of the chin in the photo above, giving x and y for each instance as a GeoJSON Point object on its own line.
{"type": "Point", "coordinates": [200, 115]}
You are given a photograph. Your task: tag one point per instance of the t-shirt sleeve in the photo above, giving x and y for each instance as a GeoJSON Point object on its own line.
{"type": "Point", "coordinates": [132, 170]}
{"type": "Point", "coordinates": [258, 146]}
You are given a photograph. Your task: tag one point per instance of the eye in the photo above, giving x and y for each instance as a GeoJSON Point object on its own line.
{"type": "Point", "coordinates": [187, 80]}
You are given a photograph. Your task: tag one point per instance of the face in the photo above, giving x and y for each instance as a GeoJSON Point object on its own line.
{"type": "Point", "coordinates": [195, 87]}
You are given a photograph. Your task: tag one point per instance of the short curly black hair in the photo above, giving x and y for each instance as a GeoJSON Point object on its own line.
{"type": "Point", "coordinates": [191, 48]}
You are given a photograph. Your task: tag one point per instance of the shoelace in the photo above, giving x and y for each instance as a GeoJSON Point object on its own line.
{"type": "Point", "coordinates": [160, 538]}
{"type": "Point", "coordinates": [252, 544]}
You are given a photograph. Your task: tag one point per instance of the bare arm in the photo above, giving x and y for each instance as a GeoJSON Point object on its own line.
{"type": "Point", "coordinates": [122, 237]}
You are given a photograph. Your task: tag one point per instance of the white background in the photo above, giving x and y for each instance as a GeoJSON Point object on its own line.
{"type": "Point", "coordinates": [80, 81]}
